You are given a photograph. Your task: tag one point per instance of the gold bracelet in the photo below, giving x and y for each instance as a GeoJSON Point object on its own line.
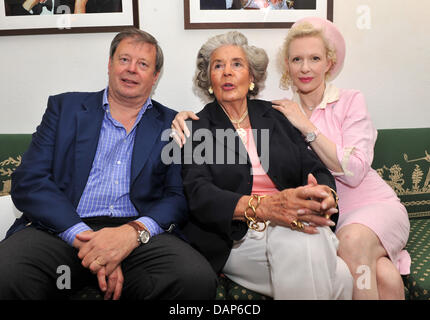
{"type": "Point", "coordinates": [336, 198]}
{"type": "Point", "coordinates": [252, 221]}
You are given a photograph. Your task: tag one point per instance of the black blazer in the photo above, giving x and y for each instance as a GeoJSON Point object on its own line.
{"type": "Point", "coordinates": [213, 190]}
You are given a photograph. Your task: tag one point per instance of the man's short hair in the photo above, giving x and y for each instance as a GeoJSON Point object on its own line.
{"type": "Point", "coordinates": [138, 36]}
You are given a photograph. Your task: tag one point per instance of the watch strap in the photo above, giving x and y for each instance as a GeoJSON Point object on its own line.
{"type": "Point", "coordinates": [138, 227]}
{"type": "Point", "coordinates": [140, 230]}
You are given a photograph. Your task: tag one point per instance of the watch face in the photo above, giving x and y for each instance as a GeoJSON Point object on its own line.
{"type": "Point", "coordinates": [310, 137]}
{"type": "Point", "coordinates": [144, 236]}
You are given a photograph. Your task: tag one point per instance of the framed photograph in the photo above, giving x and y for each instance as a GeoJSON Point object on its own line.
{"type": "Point", "coordinates": [29, 17]}
{"type": "Point", "coordinates": [235, 14]}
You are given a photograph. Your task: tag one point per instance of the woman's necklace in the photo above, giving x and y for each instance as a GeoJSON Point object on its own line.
{"type": "Point", "coordinates": [240, 131]}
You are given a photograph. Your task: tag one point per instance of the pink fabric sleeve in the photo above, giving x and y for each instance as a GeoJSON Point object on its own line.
{"type": "Point", "coordinates": [358, 140]}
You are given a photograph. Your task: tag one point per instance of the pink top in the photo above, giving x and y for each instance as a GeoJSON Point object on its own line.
{"type": "Point", "coordinates": [342, 116]}
{"type": "Point", "coordinates": [262, 184]}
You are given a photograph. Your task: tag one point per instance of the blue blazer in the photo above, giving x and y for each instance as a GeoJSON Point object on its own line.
{"type": "Point", "coordinates": [49, 183]}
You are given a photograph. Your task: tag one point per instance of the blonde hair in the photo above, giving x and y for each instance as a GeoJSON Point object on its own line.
{"type": "Point", "coordinates": [303, 30]}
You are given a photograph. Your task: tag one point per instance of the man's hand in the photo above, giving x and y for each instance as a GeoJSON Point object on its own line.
{"type": "Point", "coordinates": [106, 248]}
{"type": "Point", "coordinates": [103, 251]}
{"type": "Point", "coordinates": [77, 243]}
{"type": "Point", "coordinates": [113, 286]}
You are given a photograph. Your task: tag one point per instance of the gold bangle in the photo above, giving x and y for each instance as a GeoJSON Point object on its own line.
{"type": "Point", "coordinates": [336, 198]}
{"type": "Point", "coordinates": [252, 221]}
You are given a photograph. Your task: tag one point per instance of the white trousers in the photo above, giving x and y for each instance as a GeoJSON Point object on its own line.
{"type": "Point", "coordinates": [290, 265]}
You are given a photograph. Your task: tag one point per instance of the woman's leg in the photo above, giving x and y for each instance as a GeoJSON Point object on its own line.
{"type": "Point", "coordinates": [247, 264]}
{"type": "Point", "coordinates": [361, 249]}
{"type": "Point", "coordinates": [390, 283]}
{"type": "Point", "coordinates": [306, 266]}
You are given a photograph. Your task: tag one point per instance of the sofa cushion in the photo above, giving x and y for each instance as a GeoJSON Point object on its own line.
{"type": "Point", "coordinates": [417, 282]}
{"type": "Point", "coordinates": [11, 150]}
{"type": "Point", "coordinates": [229, 290]}
{"type": "Point", "coordinates": [402, 159]}
{"type": "Point", "coordinates": [8, 214]}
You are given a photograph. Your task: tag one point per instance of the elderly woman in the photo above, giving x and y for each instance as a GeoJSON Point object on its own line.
{"type": "Point", "coordinates": [373, 225]}
{"type": "Point", "coordinates": [260, 202]}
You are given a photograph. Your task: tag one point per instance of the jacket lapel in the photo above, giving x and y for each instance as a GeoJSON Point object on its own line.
{"type": "Point", "coordinates": [261, 123]}
{"type": "Point", "coordinates": [147, 134]}
{"type": "Point", "coordinates": [89, 121]}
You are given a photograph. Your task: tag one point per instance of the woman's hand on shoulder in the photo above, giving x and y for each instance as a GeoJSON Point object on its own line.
{"type": "Point", "coordinates": [293, 113]}
{"type": "Point", "coordinates": [179, 128]}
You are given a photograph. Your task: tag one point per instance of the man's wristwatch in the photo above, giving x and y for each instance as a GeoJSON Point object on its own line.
{"type": "Point", "coordinates": [142, 234]}
{"type": "Point", "coordinates": [311, 136]}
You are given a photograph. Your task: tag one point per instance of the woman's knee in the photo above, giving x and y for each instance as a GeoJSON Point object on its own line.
{"type": "Point", "coordinates": [359, 244]}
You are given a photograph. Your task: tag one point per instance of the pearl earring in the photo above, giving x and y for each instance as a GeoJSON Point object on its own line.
{"type": "Point", "coordinates": [251, 86]}
{"type": "Point", "coordinates": [210, 90]}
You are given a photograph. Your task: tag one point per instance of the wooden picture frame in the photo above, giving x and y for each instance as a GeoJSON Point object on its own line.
{"type": "Point", "coordinates": [59, 18]}
{"type": "Point", "coordinates": [214, 17]}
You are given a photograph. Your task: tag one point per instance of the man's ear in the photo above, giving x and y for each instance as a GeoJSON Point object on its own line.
{"type": "Point", "coordinates": [109, 64]}
{"type": "Point", "coordinates": [157, 74]}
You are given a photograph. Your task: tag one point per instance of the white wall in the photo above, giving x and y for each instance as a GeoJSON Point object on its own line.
{"type": "Point", "coordinates": [389, 62]}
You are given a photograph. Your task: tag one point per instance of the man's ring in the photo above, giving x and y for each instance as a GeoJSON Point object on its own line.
{"type": "Point", "coordinates": [99, 263]}
{"type": "Point", "coordinates": [173, 133]}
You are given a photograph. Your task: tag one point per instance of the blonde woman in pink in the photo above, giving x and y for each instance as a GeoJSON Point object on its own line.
{"type": "Point", "coordinates": [373, 225]}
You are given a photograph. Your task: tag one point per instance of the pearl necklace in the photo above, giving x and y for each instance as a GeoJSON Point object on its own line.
{"type": "Point", "coordinates": [240, 131]}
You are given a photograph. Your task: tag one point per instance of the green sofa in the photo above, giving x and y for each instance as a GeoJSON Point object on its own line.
{"type": "Point", "coordinates": [401, 157]}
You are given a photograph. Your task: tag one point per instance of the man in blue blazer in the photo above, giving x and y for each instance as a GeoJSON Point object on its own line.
{"type": "Point", "coordinates": [96, 197]}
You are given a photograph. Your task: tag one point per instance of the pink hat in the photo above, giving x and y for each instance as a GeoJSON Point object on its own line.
{"type": "Point", "coordinates": [334, 37]}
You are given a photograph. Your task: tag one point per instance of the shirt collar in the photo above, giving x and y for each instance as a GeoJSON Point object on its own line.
{"type": "Point", "coordinates": [146, 105]}
{"type": "Point", "coordinates": [331, 94]}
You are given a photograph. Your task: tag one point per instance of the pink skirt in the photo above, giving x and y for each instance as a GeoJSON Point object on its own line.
{"type": "Point", "coordinates": [390, 223]}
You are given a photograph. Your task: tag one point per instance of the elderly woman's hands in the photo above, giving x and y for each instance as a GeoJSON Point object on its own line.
{"type": "Point", "coordinates": [303, 208]}
{"type": "Point", "coordinates": [179, 128]}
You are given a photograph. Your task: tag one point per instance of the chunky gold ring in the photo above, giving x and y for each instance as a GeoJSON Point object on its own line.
{"type": "Point", "coordinates": [294, 224]}
{"type": "Point", "coordinates": [297, 225]}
